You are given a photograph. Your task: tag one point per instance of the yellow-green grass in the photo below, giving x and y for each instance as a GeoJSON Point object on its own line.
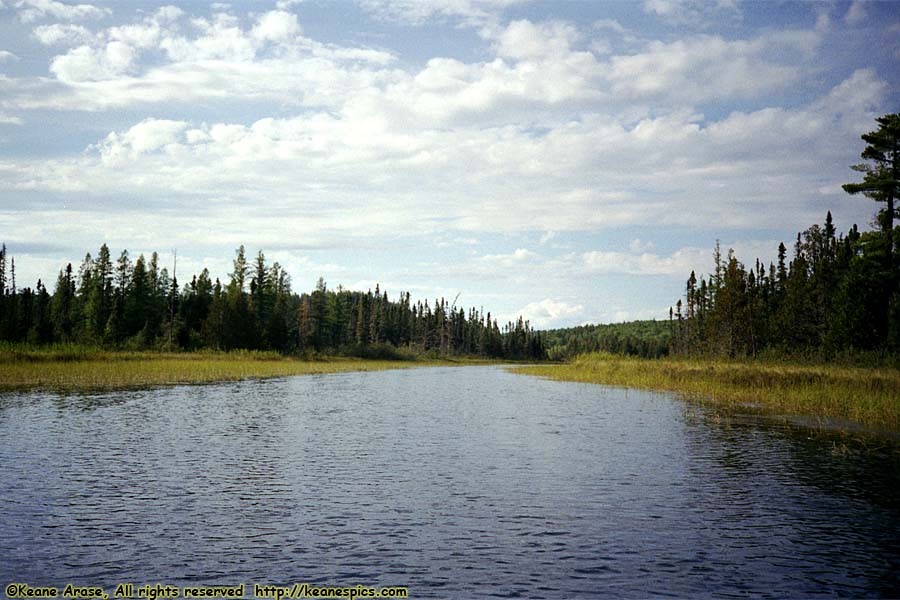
{"type": "Point", "coordinates": [71, 370]}
{"type": "Point", "coordinates": [868, 396]}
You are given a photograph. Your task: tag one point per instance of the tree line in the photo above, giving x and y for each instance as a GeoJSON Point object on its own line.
{"type": "Point", "coordinates": [137, 304]}
{"type": "Point", "coordinates": [832, 293]}
{"type": "Point", "coordinates": [647, 339]}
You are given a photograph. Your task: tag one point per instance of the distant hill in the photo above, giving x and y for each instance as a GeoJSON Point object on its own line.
{"type": "Point", "coordinates": [648, 339]}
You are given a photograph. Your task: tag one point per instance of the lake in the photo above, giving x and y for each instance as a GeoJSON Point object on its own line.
{"type": "Point", "coordinates": [455, 482]}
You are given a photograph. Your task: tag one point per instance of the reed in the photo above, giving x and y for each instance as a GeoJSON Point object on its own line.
{"type": "Point", "coordinates": [76, 368]}
{"type": "Point", "coordinates": [868, 396]}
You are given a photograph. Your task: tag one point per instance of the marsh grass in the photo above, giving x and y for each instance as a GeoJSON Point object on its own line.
{"type": "Point", "coordinates": [867, 396]}
{"type": "Point", "coordinates": [71, 368]}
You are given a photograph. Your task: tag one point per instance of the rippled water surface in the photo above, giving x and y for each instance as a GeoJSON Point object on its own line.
{"type": "Point", "coordinates": [455, 482]}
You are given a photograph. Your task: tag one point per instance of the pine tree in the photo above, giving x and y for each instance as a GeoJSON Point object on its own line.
{"type": "Point", "coordinates": [881, 172]}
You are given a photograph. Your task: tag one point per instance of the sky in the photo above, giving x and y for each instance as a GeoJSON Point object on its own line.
{"type": "Point", "coordinates": [570, 161]}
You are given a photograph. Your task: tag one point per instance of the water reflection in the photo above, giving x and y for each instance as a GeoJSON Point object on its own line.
{"type": "Point", "coordinates": [833, 496]}
{"type": "Point", "coordinates": [455, 482]}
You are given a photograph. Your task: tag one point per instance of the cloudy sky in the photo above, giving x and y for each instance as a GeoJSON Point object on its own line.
{"type": "Point", "coordinates": [572, 161]}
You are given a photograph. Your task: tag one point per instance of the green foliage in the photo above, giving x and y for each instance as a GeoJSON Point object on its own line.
{"type": "Point", "coordinates": [838, 295]}
{"type": "Point", "coordinates": [648, 339]}
{"type": "Point", "coordinates": [137, 306]}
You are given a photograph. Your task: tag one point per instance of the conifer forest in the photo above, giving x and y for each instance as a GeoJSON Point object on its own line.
{"type": "Point", "coordinates": [137, 304]}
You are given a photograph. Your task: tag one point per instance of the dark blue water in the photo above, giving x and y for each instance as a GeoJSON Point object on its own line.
{"type": "Point", "coordinates": [456, 482]}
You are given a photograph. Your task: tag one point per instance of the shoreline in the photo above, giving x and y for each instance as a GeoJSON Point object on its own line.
{"type": "Point", "coordinates": [820, 395]}
{"type": "Point", "coordinates": [74, 371]}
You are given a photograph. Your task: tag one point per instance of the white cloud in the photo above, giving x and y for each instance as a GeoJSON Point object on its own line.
{"type": "Point", "coordinates": [203, 58]}
{"type": "Point", "coordinates": [543, 138]}
{"type": "Point", "coordinates": [7, 55]}
{"type": "Point", "coordinates": [147, 136]}
{"type": "Point", "coordinates": [85, 63]}
{"type": "Point", "coordinates": [473, 12]}
{"type": "Point", "coordinates": [62, 33]}
{"type": "Point", "coordinates": [573, 176]}
{"type": "Point", "coordinates": [32, 10]}
{"type": "Point", "coordinates": [546, 237]}
{"type": "Point", "coordinates": [678, 263]}
{"type": "Point", "coordinates": [856, 13]}
{"type": "Point", "coordinates": [551, 129]}
{"type": "Point", "coordinates": [661, 7]}
{"type": "Point", "coordinates": [611, 25]}
{"type": "Point", "coordinates": [855, 100]}
{"type": "Point", "coordinates": [705, 67]}
{"type": "Point", "coordinates": [167, 14]}
{"type": "Point", "coordinates": [518, 257]}
{"type": "Point", "coordinates": [549, 313]}
{"type": "Point", "coordinates": [527, 40]}
{"type": "Point", "coordinates": [538, 70]}
{"type": "Point", "coordinates": [276, 26]}
{"type": "Point", "coordinates": [693, 12]}
{"type": "Point", "coordinates": [638, 245]}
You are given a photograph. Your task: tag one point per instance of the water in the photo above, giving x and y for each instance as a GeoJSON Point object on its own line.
{"type": "Point", "coordinates": [456, 482]}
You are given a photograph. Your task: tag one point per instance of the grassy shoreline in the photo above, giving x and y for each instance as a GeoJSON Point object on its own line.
{"type": "Point", "coordinates": [866, 396]}
{"type": "Point", "coordinates": [76, 369]}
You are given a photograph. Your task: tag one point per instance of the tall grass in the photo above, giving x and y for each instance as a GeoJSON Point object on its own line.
{"type": "Point", "coordinates": [869, 396]}
{"type": "Point", "coordinates": [86, 368]}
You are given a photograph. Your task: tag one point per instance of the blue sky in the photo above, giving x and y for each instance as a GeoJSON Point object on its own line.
{"type": "Point", "coordinates": [569, 161]}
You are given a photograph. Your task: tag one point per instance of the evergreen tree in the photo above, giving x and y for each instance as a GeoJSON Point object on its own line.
{"type": "Point", "coordinates": [61, 305]}
{"type": "Point", "coordinates": [881, 172]}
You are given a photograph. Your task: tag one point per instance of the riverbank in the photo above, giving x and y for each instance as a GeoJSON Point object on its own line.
{"type": "Point", "coordinates": [70, 369]}
{"type": "Point", "coordinates": [867, 396]}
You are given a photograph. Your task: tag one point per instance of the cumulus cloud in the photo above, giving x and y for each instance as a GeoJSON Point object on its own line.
{"type": "Point", "coordinates": [526, 40]}
{"type": "Point", "coordinates": [214, 57]}
{"type": "Point", "coordinates": [570, 176]}
{"type": "Point", "coordinates": [276, 26]}
{"type": "Point", "coordinates": [147, 136]}
{"type": "Point", "coordinates": [33, 10]}
{"type": "Point", "coordinates": [62, 33]}
{"type": "Point", "coordinates": [705, 67]}
{"type": "Point", "coordinates": [550, 312]}
{"type": "Point", "coordinates": [539, 70]}
{"type": "Point", "coordinates": [86, 63]}
{"type": "Point", "coordinates": [542, 134]}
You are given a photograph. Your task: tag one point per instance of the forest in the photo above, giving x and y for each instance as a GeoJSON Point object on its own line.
{"type": "Point", "coordinates": [134, 305]}
{"type": "Point", "coordinates": [646, 339]}
{"type": "Point", "coordinates": [831, 294]}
